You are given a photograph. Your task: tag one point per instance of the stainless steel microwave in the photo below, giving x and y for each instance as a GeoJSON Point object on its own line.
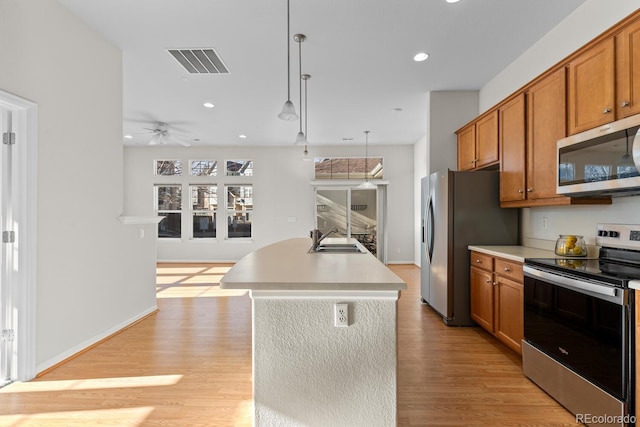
{"type": "Point", "coordinates": [601, 161]}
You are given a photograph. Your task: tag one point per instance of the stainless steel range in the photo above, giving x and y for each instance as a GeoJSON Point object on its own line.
{"type": "Point", "coordinates": [579, 327]}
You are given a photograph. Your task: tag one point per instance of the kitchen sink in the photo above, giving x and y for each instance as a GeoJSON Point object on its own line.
{"type": "Point", "coordinates": [350, 246]}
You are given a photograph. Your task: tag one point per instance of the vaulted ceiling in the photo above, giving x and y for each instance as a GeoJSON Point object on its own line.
{"type": "Point", "coordinates": [359, 54]}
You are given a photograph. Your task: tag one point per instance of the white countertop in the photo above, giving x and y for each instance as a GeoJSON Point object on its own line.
{"type": "Point", "coordinates": [514, 253]}
{"type": "Point", "coordinates": [287, 265]}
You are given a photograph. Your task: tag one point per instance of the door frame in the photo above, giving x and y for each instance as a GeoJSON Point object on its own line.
{"type": "Point", "coordinates": [22, 276]}
{"type": "Point", "coordinates": [381, 208]}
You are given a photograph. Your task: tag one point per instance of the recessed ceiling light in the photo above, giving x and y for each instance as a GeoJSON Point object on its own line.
{"type": "Point", "coordinates": [421, 56]}
{"type": "Point", "coordinates": [128, 136]}
{"type": "Point", "coordinates": [208, 105]}
{"type": "Point", "coordinates": [242, 136]}
{"type": "Point", "coordinates": [397, 110]}
{"type": "Point", "coordinates": [347, 139]}
{"type": "Point", "coordinates": [452, 1]}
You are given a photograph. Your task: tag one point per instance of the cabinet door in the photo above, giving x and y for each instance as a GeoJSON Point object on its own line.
{"type": "Point", "coordinates": [546, 120]}
{"type": "Point", "coordinates": [591, 87]}
{"type": "Point", "coordinates": [512, 148]}
{"type": "Point", "coordinates": [487, 140]}
{"type": "Point", "coordinates": [467, 148]}
{"type": "Point", "coordinates": [628, 71]}
{"type": "Point", "coordinates": [509, 321]}
{"type": "Point", "coordinates": [481, 283]}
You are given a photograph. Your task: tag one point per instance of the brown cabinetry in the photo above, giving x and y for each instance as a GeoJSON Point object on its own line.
{"type": "Point", "coordinates": [497, 300]}
{"type": "Point", "coordinates": [628, 70]}
{"type": "Point", "coordinates": [512, 136]}
{"type": "Point", "coordinates": [478, 143]}
{"type": "Point", "coordinates": [591, 100]}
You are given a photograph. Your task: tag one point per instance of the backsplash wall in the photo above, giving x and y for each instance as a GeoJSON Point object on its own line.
{"type": "Point", "coordinates": [580, 220]}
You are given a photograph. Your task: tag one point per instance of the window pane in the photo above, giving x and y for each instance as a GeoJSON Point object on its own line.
{"type": "Point", "coordinates": [168, 167]}
{"type": "Point", "coordinates": [239, 168]}
{"type": "Point", "coordinates": [204, 197]}
{"type": "Point", "coordinates": [349, 168]}
{"type": "Point", "coordinates": [204, 168]}
{"type": "Point", "coordinates": [239, 211]}
{"type": "Point", "coordinates": [169, 197]}
{"type": "Point", "coordinates": [204, 225]}
{"type": "Point", "coordinates": [170, 225]}
{"type": "Point", "coordinates": [596, 172]}
{"type": "Point", "coordinates": [239, 224]}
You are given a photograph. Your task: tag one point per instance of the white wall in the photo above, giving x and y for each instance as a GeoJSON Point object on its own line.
{"type": "Point", "coordinates": [586, 23]}
{"type": "Point", "coordinates": [282, 190]}
{"type": "Point", "coordinates": [447, 111]}
{"type": "Point", "coordinates": [89, 265]}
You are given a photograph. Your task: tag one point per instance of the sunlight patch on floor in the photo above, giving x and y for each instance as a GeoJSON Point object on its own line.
{"type": "Point", "coordinates": [203, 278]}
{"type": "Point", "coordinates": [179, 270]}
{"type": "Point", "coordinates": [244, 413]}
{"type": "Point", "coordinates": [91, 384]}
{"type": "Point", "coordinates": [220, 269]}
{"type": "Point", "coordinates": [120, 417]}
{"type": "Point", "coordinates": [184, 291]}
{"type": "Point", "coordinates": [169, 280]}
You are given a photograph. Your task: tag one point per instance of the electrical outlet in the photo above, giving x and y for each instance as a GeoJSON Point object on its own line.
{"type": "Point", "coordinates": [543, 223]}
{"type": "Point", "coordinates": [341, 314]}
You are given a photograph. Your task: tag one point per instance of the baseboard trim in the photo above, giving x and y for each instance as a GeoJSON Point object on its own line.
{"type": "Point", "coordinates": [76, 351]}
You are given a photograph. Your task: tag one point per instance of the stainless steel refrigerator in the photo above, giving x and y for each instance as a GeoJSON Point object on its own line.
{"type": "Point", "coordinates": [459, 209]}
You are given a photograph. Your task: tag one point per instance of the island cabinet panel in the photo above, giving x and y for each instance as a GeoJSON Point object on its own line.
{"type": "Point", "coordinates": [628, 70]}
{"type": "Point", "coordinates": [512, 146]}
{"type": "Point", "coordinates": [478, 143]}
{"type": "Point", "coordinates": [497, 297]}
{"type": "Point", "coordinates": [591, 95]}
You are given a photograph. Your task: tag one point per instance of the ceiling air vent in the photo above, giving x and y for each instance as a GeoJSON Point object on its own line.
{"type": "Point", "coordinates": [199, 61]}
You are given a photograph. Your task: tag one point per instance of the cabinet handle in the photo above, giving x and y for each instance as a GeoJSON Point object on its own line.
{"type": "Point", "coordinates": [478, 261]}
{"type": "Point", "coordinates": [495, 283]}
{"type": "Point", "coordinates": [520, 190]}
{"type": "Point", "coordinates": [488, 281]}
{"type": "Point", "coordinates": [529, 190]}
{"type": "Point", "coordinates": [606, 111]}
{"type": "Point", "coordinates": [507, 269]}
{"type": "Point", "coordinates": [624, 104]}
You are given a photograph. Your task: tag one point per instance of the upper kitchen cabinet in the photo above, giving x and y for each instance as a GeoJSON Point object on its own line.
{"type": "Point", "coordinates": [627, 44]}
{"type": "Point", "coordinates": [512, 136]}
{"type": "Point", "coordinates": [478, 143]}
{"type": "Point", "coordinates": [591, 95]}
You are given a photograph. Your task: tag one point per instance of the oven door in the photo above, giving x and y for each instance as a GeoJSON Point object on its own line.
{"type": "Point", "coordinates": [583, 325]}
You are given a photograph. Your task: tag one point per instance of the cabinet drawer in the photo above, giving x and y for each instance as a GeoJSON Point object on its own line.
{"type": "Point", "coordinates": [482, 261]}
{"type": "Point", "coordinates": [510, 269]}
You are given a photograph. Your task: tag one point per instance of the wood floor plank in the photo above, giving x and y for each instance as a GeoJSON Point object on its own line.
{"type": "Point", "coordinates": [190, 365]}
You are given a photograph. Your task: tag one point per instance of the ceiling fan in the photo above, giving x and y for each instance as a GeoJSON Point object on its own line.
{"type": "Point", "coordinates": [161, 135]}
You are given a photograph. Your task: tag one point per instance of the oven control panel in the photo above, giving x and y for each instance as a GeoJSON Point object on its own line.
{"type": "Point", "coordinates": [618, 236]}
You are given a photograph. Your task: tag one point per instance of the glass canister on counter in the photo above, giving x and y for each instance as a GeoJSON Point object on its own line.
{"type": "Point", "coordinates": [571, 245]}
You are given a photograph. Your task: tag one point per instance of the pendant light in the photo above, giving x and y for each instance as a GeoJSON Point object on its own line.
{"type": "Point", "coordinates": [300, 138]}
{"type": "Point", "coordinates": [366, 185]}
{"type": "Point", "coordinates": [288, 110]}
{"type": "Point", "coordinates": [305, 155]}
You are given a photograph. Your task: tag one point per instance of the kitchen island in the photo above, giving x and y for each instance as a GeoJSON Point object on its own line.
{"type": "Point", "coordinates": [306, 370]}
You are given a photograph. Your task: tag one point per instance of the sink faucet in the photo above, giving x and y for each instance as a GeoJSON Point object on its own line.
{"type": "Point", "coordinates": [317, 240]}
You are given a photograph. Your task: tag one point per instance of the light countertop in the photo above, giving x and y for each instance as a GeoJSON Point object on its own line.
{"type": "Point", "coordinates": [287, 265]}
{"type": "Point", "coordinates": [514, 253]}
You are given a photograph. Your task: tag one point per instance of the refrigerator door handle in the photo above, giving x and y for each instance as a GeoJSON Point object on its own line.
{"type": "Point", "coordinates": [430, 230]}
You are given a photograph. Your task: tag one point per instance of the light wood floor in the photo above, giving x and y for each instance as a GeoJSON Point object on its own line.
{"type": "Point", "coordinates": [190, 365]}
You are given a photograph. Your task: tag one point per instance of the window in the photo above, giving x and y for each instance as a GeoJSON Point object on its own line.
{"type": "Point", "coordinates": [567, 172]}
{"type": "Point", "coordinates": [168, 167]}
{"type": "Point", "coordinates": [169, 205]}
{"type": "Point", "coordinates": [594, 173]}
{"type": "Point", "coordinates": [239, 211]}
{"type": "Point", "coordinates": [239, 168]}
{"type": "Point", "coordinates": [204, 168]}
{"type": "Point", "coordinates": [204, 207]}
{"type": "Point", "coordinates": [349, 168]}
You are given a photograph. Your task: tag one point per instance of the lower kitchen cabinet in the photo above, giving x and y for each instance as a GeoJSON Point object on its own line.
{"type": "Point", "coordinates": [497, 297]}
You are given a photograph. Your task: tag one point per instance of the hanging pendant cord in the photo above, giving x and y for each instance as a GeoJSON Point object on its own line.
{"type": "Point", "coordinates": [288, 57]}
{"type": "Point", "coordinates": [300, 76]}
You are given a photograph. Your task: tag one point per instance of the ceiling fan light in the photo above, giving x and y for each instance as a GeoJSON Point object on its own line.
{"type": "Point", "coordinates": [155, 139]}
{"type": "Point", "coordinates": [288, 111]}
